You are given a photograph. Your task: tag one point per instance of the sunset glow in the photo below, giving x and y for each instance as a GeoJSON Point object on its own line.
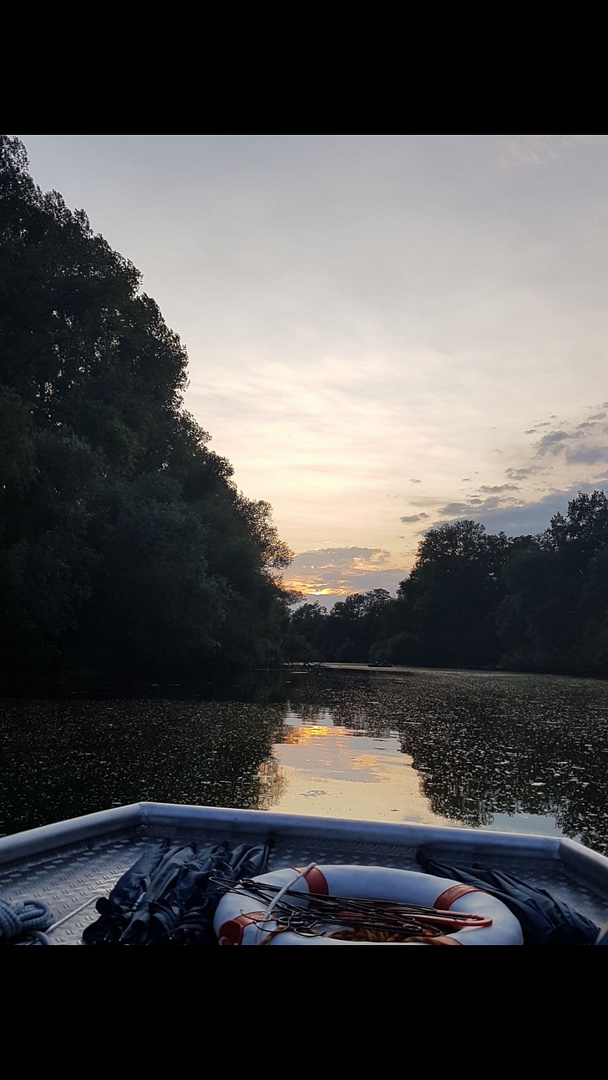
{"type": "Point", "coordinates": [384, 332]}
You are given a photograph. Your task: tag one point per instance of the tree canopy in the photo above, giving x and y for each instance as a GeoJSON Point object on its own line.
{"type": "Point", "coordinates": [125, 543]}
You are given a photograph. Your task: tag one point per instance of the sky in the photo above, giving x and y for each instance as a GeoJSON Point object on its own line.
{"type": "Point", "coordinates": [385, 332]}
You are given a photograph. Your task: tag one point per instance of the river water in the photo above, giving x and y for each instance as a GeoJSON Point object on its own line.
{"type": "Point", "coordinates": [524, 753]}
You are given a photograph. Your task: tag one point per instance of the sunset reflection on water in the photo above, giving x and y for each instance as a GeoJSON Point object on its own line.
{"type": "Point", "coordinates": [322, 768]}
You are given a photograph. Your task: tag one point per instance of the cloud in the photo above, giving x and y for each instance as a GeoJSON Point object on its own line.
{"type": "Point", "coordinates": [574, 446]}
{"type": "Point", "coordinates": [523, 474]}
{"type": "Point", "coordinates": [326, 574]}
{"type": "Point", "coordinates": [518, 151]}
{"type": "Point", "coordinates": [474, 507]}
{"type": "Point", "coordinates": [497, 488]}
{"type": "Point", "coordinates": [341, 557]}
{"type": "Point", "coordinates": [530, 518]}
{"type": "Point", "coordinates": [415, 481]}
{"type": "Point", "coordinates": [589, 454]}
{"type": "Point", "coordinates": [552, 443]}
{"type": "Point", "coordinates": [533, 151]}
{"type": "Point", "coordinates": [412, 518]}
{"type": "Point", "coordinates": [461, 509]}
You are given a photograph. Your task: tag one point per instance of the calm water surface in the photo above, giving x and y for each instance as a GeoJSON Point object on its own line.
{"type": "Point", "coordinates": [493, 751]}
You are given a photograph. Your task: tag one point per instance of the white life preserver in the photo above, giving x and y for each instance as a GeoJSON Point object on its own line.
{"type": "Point", "coordinates": [240, 922]}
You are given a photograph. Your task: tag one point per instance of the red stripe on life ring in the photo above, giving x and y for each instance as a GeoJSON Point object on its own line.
{"type": "Point", "coordinates": [231, 932]}
{"type": "Point", "coordinates": [445, 899]}
{"type": "Point", "coordinates": [316, 881]}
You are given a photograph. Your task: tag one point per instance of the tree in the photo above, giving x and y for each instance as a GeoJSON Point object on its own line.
{"type": "Point", "coordinates": [453, 591]}
{"type": "Point", "coordinates": [124, 539]}
{"type": "Point", "coordinates": [584, 531]}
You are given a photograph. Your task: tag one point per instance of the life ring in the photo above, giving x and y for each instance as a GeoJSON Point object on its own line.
{"type": "Point", "coordinates": [242, 919]}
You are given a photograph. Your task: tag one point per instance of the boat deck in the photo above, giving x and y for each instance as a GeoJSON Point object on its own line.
{"type": "Point", "coordinates": [71, 865]}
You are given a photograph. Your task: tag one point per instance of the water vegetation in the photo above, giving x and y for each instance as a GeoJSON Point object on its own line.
{"type": "Point", "coordinates": [492, 750]}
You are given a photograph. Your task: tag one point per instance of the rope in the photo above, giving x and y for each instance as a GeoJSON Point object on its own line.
{"type": "Point", "coordinates": [287, 889]}
{"type": "Point", "coordinates": [277, 901]}
{"type": "Point", "coordinates": [24, 918]}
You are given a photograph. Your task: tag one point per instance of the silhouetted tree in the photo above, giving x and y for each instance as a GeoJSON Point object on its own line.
{"type": "Point", "coordinates": [123, 539]}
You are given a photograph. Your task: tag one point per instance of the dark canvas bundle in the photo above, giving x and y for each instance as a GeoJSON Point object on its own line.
{"type": "Point", "coordinates": [544, 920]}
{"type": "Point", "coordinates": [168, 897]}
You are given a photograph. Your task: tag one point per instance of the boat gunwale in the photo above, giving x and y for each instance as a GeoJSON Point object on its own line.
{"type": "Point", "coordinates": [264, 824]}
{"type": "Point", "coordinates": [71, 864]}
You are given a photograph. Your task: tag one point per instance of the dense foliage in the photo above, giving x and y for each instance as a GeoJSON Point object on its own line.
{"type": "Point", "coordinates": [535, 603]}
{"type": "Point", "coordinates": [125, 545]}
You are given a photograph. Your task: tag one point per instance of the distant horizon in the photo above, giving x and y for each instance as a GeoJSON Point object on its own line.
{"type": "Point", "coordinates": [385, 333]}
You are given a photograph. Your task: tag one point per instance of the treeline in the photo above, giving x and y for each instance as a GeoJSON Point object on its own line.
{"type": "Point", "coordinates": [124, 544]}
{"type": "Point", "coordinates": [528, 603]}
